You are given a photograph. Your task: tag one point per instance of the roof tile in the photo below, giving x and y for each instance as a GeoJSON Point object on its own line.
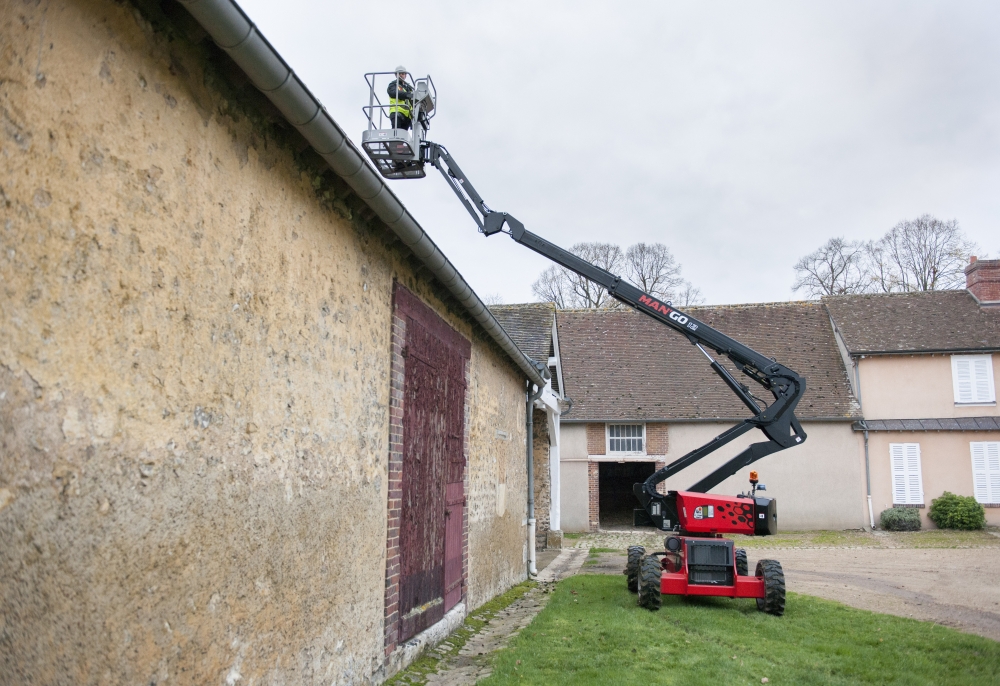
{"type": "Point", "coordinates": [529, 326]}
{"type": "Point", "coordinates": [925, 321]}
{"type": "Point", "coordinates": [619, 364]}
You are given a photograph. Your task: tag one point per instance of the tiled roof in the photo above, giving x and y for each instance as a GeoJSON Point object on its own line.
{"type": "Point", "coordinates": [946, 424]}
{"type": "Point", "coordinates": [619, 364]}
{"type": "Point", "coordinates": [927, 321]}
{"type": "Point", "coordinates": [529, 326]}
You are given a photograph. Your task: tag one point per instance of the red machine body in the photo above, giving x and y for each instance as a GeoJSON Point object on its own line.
{"type": "Point", "coordinates": [707, 513]}
{"type": "Point", "coordinates": [680, 575]}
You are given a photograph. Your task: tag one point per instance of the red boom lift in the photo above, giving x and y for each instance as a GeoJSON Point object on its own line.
{"type": "Point", "coordinates": [697, 560]}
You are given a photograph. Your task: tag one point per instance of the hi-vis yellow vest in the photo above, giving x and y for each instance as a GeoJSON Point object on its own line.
{"type": "Point", "coordinates": [401, 105]}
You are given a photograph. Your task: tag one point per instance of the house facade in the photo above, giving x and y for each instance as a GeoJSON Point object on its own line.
{"type": "Point", "coordinates": [227, 354]}
{"type": "Point", "coordinates": [643, 396]}
{"type": "Point", "coordinates": [900, 404]}
{"type": "Point", "coordinates": [924, 368]}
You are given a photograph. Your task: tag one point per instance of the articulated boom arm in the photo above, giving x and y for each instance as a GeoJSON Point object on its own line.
{"type": "Point", "coordinates": [777, 420]}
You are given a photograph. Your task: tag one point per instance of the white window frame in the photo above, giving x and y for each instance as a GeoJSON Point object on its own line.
{"type": "Point", "coordinates": [986, 471]}
{"type": "Point", "coordinates": [972, 379]}
{"type": "Point", "coordinates": [608, 438]}
{"type": "Point", "coordinates": [907, 480]}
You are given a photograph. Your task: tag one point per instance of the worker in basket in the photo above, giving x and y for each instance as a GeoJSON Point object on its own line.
{"type": "Point", "coordinates": [400, 100]}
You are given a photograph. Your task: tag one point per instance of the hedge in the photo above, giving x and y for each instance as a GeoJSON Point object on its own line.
{"type": "Point", "coordinates": [952, 511]}
{"type": "Point", "coordinates": [900, 519]}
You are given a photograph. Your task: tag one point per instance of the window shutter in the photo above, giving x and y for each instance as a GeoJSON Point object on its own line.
{"type": "Point", "coordinates": [914, 484]}
{"type": "Point", "coordinates": [898, 473]}
{"type": "Point", "coordinates": [993, 465]}
{"type": "Point", "coordinates": [981, 373]}
{"type": "Point", "coordinates": [907, 484]}
{"type": "Point", "coordinates": [963, 380]}
{"type": "Point", "coordinates": [986, 471]}
{"type": "Point", "coordinates": [973, 378]}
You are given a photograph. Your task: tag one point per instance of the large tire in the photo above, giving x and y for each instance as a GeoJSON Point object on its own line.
{"type": "Point", "coordinates": [742, 569]}
{"type": "Point", "coordinates": [773, 601]}
{"type": "Point", "coordinates": [635, 554]}
{"type": "Point", "coordinates": [650, 572]}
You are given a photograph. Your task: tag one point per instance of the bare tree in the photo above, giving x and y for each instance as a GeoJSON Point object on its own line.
{"type": "Point", "coordinates": [652, 268]}
{"type": "Point", "coordinates": [688, 295]}
{"type": "Point", "coordinates": [837, 268]}
{"type": "Point", "coordinates": [648, 266]}
{"type": "Point", "coordinates": [922, 254]}
{"type": "Point", "coordinates": [491, 299]}
{"type": "Point", "coordinates": [553, 286]}
{"type": "Point", "coordinates": [570, 290]}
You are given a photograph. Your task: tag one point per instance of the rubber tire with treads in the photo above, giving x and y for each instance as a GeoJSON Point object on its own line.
{"type": "Point", "coordinates": [773, 601]}
{"type": "Point", "coordinates": [650, 573]}
{"type": "Point", "coordinates": [742, 569]}
{"type": "Point", "coordinates": [635, 553]}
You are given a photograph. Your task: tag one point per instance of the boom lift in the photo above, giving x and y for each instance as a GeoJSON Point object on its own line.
{"type": "Point", "coordinates": [697, 560]}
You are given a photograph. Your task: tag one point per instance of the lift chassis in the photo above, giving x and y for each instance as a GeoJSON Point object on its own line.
{"type": "Point", "coordinates": [697, 560]}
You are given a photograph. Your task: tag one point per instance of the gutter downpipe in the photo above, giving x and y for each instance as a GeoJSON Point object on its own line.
{"type": "Point", "coordinates": [529, 410]}
{"type": "Point", "coordinates": [864, 427]}
{"type": "Point", "coordinates": [233, 31]}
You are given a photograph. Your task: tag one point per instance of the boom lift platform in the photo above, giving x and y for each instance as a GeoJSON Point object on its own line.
{"type": "Point", "coordinates": [696, 561]}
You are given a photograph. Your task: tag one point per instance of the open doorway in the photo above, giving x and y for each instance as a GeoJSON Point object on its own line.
{"type": "Point", "coordinates": [616, 500]}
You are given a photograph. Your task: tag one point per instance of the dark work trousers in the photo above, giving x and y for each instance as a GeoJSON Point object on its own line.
{"type": "Point", "coordinates": [399, 121]}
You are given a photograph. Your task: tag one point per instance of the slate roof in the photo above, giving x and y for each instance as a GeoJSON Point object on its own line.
{"type": "Point", "coordinates": [946, 424]}
{"type": "Point", "coordinates": [619, 364]}
{"type": "Point", "coordinates": [530, 327]}
{"type": "Point", "coordinates": [928, 321]}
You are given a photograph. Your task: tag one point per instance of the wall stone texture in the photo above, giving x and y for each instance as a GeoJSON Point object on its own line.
{"type": "Point", "coordinates": [543, 496]}
{"type": "Point", "coordinates": [195, 352]}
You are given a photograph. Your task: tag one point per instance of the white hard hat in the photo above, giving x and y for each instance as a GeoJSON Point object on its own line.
{"type": "Point", "coordinates": [402, 70]}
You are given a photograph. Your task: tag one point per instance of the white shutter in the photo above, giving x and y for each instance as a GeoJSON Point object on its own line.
{"type": "Point", "coordinates": [981, 368]}
{"type": "Point", "coordinates": [972, 376]}
{"type": "Point", "coordinates": [907, 484]}
{"type": "Point", "coordinates": [986, 471]}
{"type": "Point", "coordinates": [962, 369]}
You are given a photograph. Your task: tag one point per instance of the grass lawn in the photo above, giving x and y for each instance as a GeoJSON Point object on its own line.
{"type": "Point", "coordinates": [592, 632]}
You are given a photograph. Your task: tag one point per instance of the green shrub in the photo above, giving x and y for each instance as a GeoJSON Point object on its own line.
{"type": "Point", "coordinates": [900, 519]}
{"type": "Point", "coordinates": [952, 511]}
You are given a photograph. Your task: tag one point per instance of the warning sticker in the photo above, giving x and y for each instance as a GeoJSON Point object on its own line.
{"type": "Point", "coordinates": [698, 513]}
{"type": "Point", "coordinates": [704, 512]}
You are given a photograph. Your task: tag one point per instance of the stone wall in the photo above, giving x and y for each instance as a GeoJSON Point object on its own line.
{"type": "Point", "coordinates": [543, 496]}
{"type": "Point", "coordinates": [194, 373]}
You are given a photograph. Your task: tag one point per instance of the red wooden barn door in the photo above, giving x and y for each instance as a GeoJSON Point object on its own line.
{"type": "Point", "coordinates": [432, 512]}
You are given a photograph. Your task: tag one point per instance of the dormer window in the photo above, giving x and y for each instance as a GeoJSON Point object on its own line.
{"type": "Point", "coordinates": [972, 377]}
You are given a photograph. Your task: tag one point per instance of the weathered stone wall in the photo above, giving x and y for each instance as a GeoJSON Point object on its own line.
{"type": "Point", "coordinates": [194, 373]}
{"type": "Point", "coordinates": [543, 497]}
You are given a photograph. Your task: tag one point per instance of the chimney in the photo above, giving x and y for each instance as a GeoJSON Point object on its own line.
{"type": "Point", "coordinates": [982, 279]}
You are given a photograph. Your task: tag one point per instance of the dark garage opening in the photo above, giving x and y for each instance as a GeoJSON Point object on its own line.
{"type": "Point", "coordinates": [616, 500]}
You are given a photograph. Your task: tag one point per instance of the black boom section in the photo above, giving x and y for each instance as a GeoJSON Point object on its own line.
{"type": "Point", "coordinates": [777, 420]}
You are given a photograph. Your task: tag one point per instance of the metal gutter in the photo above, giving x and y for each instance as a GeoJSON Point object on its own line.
{"type": "Point", "coordinates": [233, 31]}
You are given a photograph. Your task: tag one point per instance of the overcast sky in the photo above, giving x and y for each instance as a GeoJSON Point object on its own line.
{"type": "Point", "coordinates": [742, 135]}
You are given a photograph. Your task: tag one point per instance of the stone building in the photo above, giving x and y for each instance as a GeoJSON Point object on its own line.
{"type": "Point", "coordinates": [227, 354]}
{"type": "Point", "coordinates": [643, 396]}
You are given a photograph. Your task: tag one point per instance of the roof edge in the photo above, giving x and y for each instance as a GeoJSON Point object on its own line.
{"type": "Point", "coordinates": [231, 29]}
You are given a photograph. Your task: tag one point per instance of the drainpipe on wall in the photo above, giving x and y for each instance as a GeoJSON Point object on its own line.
{"type": "Point", "coordinates": [864, 426]}
{"type": "Point", "coordinates": [868, 477]}
{"type": "Point", "coordinates": [530, 460]}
